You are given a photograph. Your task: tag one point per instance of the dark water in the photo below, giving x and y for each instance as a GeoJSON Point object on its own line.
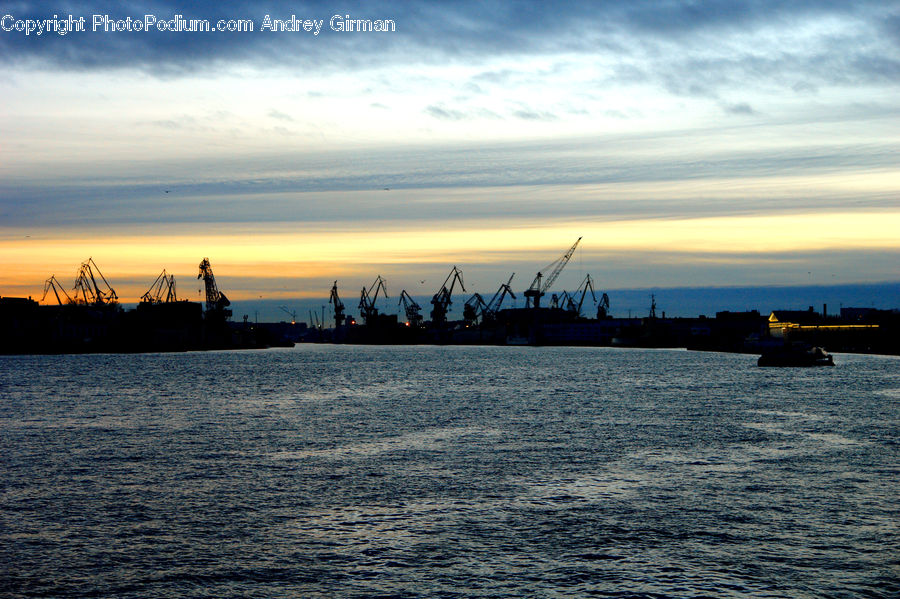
{"type": "Point", "coordinates": [448, 472]}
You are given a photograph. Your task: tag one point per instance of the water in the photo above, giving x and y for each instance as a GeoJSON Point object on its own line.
{"type": "Point", "coordinates": [448, 472]}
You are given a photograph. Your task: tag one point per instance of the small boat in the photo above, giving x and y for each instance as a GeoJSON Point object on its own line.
{"type": "Point", "coordinates": [796, 356]}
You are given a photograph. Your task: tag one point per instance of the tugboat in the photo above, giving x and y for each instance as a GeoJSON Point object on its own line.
{"type": "Point", "coordinates": [796, 356]}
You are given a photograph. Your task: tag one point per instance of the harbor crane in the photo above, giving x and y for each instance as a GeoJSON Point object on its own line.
{"type": "Point", "coordinates": [540, 284]}
{"type": "Point", "coordinates": [367, 299]}
{"type": "Point", "coordinates": [603, 307]}
{"type": "Point", "coordinates": [493, 306]}
{"type": "Point", "coordinates": [335, 300]}
{"type": "Point", "coordinates": [412, 309]}
{"type": "Point", "coordinates": [442, 299]}
{"type": "Point", "coordinates": [587, 284]}
{"type": "Point", "coordinates": [560, 300]}
{"type": "Point", "coordinates": [215, 299]}
{"type": "Point", "coordinates": [88, 290]}
{"type": "Point", "coordinates": [162, 291]}
{"type": "Point", "coordinates": [56, 286]}
{"type": "Point", "coordinates": [474, 309]}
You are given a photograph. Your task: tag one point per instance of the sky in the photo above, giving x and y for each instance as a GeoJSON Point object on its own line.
{"type": "Point", "coordinates": [690, 144]}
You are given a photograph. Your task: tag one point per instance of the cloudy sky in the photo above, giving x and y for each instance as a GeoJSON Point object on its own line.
{"type": "Point", "coordinates": [721, 143]}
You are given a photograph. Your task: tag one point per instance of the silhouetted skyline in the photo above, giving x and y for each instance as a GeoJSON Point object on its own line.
{"type": "Point", "coordinates": [714, 144]}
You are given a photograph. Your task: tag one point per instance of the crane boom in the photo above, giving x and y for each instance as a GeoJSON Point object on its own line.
{"type": "Point", "coordinates": [493, 306]}
{"type": "Point", "coordinates": [558, 266]}
{"type": "Point", "coordinates": [56, 286]}
{"type": "Point", "coordinates": [540, 284]}
{"type": "Point", "coordinates": [86, 283]}
{"type": "Point", "coordinates": [378, 285]}
{"type": "Point", "coordinates": [154, 295]}
{"type": "Point", "coordinates": [588, 283]}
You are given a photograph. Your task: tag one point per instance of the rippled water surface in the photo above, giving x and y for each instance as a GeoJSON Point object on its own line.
{"type": "Point", "coordinates": [448, 472]}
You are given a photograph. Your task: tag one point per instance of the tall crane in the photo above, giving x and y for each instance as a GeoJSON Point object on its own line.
{"type": "Point", "coordinates": [88, 290]}
{"type": "Point", "coordinates": [587, 284]}
{"type": "Point", "coordinates": [540, 284]}
{"type": "Point", "coordinates": [215, 299]}
{"type": "Point", "coordinates": [412, 309]}
{"type": "Point", "coordinates": [367, 299]}
{"type": "Point", "coordinates": [161, 291]}
{"type": "Point", "coordinates": [493, 306]}
{"type": "Point", "coordinates": [56, 286]}
{"type": "Point", "coordinates": [335, 300]}
{"type": "Point", "coordinates": [441, 300]}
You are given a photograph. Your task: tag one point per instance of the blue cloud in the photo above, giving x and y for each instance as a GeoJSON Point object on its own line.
{"type": "Point", "coordinates": [426, 32]}
{"type": "Point", "coordinates": [404, 184]}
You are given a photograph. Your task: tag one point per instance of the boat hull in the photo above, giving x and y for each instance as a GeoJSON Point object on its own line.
{"type": "Point", "coordinates": [796, 358]}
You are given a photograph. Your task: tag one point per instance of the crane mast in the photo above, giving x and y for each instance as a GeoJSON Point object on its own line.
{"type": "Point", "coordinates": [335, 300]}
{"type": "Point", "coordinates": [540, 284]}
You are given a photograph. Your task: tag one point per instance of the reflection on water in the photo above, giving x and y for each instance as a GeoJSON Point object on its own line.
{"type": "Point", "coordinates": [431, 440]}
{"type": "Point", "coordinates": [447, 472]}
